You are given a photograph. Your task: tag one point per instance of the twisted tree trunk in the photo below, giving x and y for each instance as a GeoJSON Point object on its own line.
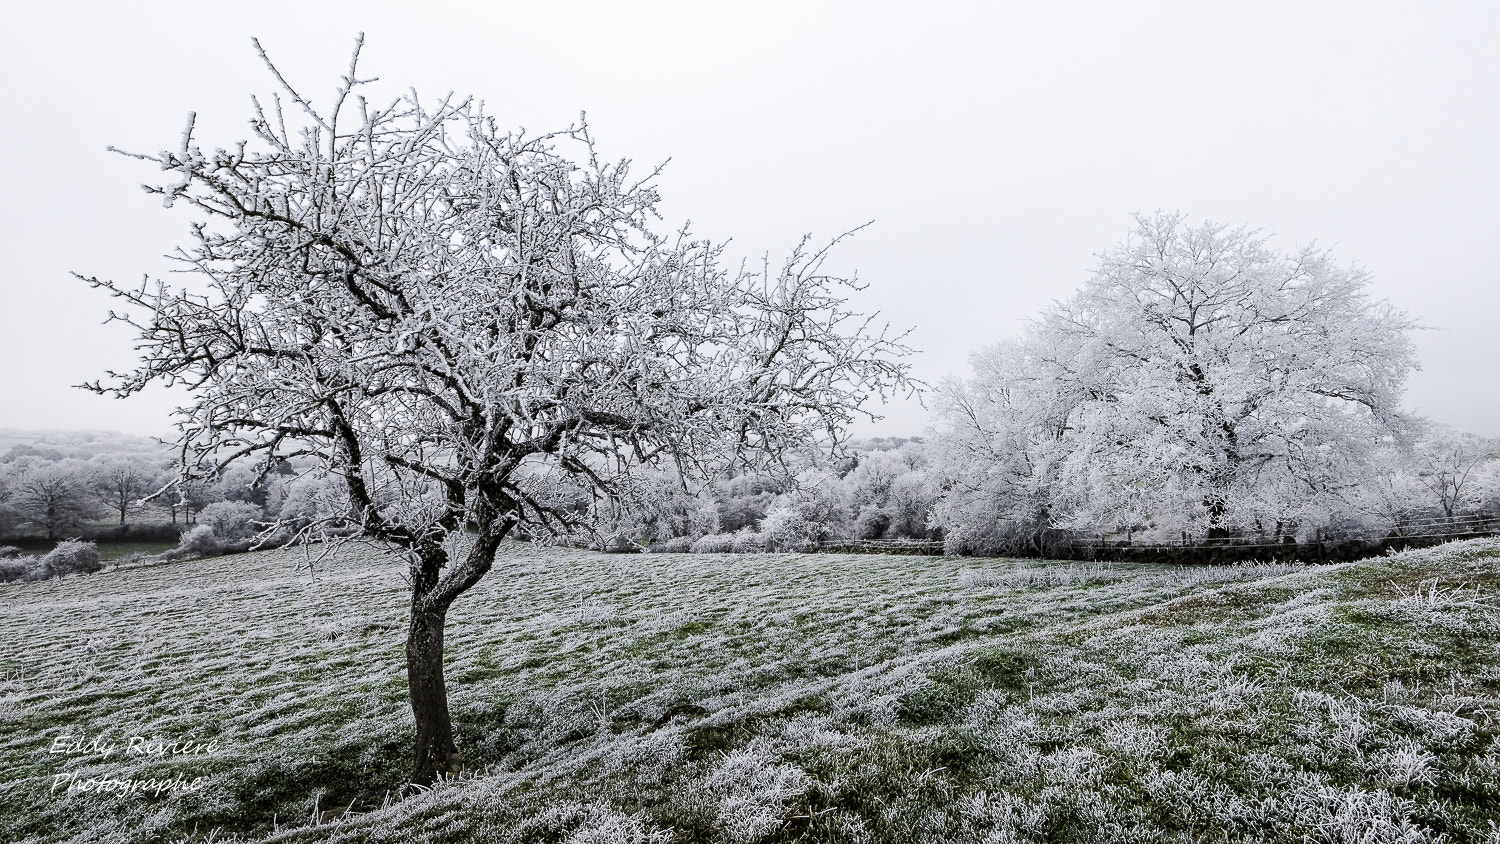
{"type": "Point", "coordinates": [436, 753]}
{"type": "Point", "coordinates": [433, 593]}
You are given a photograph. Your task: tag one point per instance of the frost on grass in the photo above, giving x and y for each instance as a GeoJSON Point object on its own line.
{"type": "Point", "coordinates": [774, 697]}
{"type": "Point", "coordinates": [752, 791]}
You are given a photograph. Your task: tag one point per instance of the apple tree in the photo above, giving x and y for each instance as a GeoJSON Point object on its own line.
{"type": "Point", "coordinates": [474, 329]}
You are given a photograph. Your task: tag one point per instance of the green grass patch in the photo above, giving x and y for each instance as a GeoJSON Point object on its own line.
{"type": "Point", "coordinates": [755, 698]}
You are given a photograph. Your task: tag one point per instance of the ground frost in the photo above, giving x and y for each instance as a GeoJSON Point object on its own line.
{"type": "Point", "coordinates": [775, 697]}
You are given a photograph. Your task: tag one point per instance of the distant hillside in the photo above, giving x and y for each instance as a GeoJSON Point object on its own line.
{"type": "Point", "coordinates": [61, 444]}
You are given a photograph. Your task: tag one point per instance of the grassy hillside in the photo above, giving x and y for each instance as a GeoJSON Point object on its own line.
{"type": "Point", "coordinates": [767, 698]}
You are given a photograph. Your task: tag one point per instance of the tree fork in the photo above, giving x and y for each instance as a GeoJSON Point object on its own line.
{"type": "Point", "coordinates": [436, 753]}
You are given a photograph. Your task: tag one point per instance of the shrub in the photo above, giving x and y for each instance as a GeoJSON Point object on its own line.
{"type": "Point", "coordinates": [281, 537]}
{"type": "Point", "coordinates": [619, 544]}
{"type": "Point", "coordinates": [231, 521]}
{"type": "Point", "coordinates": [72, 557]}
{"type": "Point", "coordinates": [226, 527]}
{"type": "Point", "coordinates": [200, 540]}
{"type": "Point", "coordinates": [748, 541]}
{"type": "Point", "coordinates": [9, 551]}
{"type": "Point", "coordinates": [871, 523]}
{"type": "Point", "coordinates": [23, 569]}
{"type": "Point", "coordinates": [714, 543]}
{"type": "Point", "coordinates": [675, 545]}
{"type": "Point", "coordinates": [785, 529]}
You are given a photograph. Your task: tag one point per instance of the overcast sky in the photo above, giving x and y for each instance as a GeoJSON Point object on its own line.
{"type": "Point", "coordinates": [998, 147]}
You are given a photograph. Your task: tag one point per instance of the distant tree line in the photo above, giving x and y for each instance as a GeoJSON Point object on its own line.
{"type": "Point", "coordinates": [883, 489]}
{"type": "Point", "coordinates": [98, 489]}
{"type": "Point", "coordinates": [58, 486]}
{"type": "Point", "coordinates": [1201, 391]}
{"type": "Point", "coordinates": [1442, 483]}
{"type": "Point", "coordinates": [72, 490]}
{"type": "Point", "coordinates": [1445, 483]}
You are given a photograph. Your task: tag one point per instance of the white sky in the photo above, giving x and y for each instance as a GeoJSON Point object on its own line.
{"type": "Point", "coordinates": [997, 147]}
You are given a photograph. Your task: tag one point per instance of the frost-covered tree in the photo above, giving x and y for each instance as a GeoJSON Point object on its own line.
{"type": "Point", "coordinates": [457, 320]}
{"type": "Point", "coordinates": [1451, 466]}
{"type": "Point", "coordinates": [7, 514]}
{"type": "Point", "coordinates": [669, 509]}
{"type": "Point", "coordinates": [1199, 382]}
{"type": "Point", "coordinates": [121, 483]}
{"type": "Point", "coordinates": [1000, 449]}
{"type": "Point", "coordinates": [891, 495]}
{"type": "Point", "coordinates": [53, 496]}
{"type": "Point", "coordinates": [310, 500]}
{"type": "Point", "coordinates": [1443, 485]}
{"type": "Point", "coordinates": [242, 483]}
{"type": "Point", "coordinates": [231, 520]}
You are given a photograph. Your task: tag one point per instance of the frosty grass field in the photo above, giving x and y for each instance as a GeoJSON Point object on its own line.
{"type": "Point", "coordinates": [746, 698]}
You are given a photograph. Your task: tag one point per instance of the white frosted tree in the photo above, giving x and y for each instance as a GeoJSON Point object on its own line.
{"type": "Point", "coordinates": [52, 495]}
{"type": "Point", "coordinates": [891, 494]}
{"type": "Point", "coordinates": [1454, 468]}
{"type": "Point", "coordinates": [999, 449]}
{"type": "Point", "coordinates": [458, 321]}
{"type": "Point", "coordinates": [122, 483]}
{"type": "Point", "coordinates": [1199, 382]}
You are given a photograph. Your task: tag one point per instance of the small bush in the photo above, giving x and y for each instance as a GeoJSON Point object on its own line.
{"type": "Point", "coordinates": [9, 552]}
{"type": "Point", "coordinates": [231, 521]}
{"type": "Point", "coordinates": [20, 569]}
{"type": "Point", "coordinates": [201, 540]}
{"type": "Point", "coordinates": [714, 543]}
{"type": "Point", "coordinates": [785, 529]}
{"type": "Point", "coordinates": [72, 557]}
{"type": "Point", "coordinates": [618, 544]}
{"type": "Point", "coordinates": [871, 523]}
{"type": "Point", "coordinates": [11, 569]}
{"type": "Point", "coordinates": [748, 541]}
{"type": "Point", "coordinates": [281, 538]}
{"type": "Point", "coordinates": [675, 545]}
{"type": "Point", "coordinates": [227, 527]}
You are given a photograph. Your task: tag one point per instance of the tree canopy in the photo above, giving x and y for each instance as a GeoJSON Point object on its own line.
{"type": "Point", "coordinates": [1199, 382]}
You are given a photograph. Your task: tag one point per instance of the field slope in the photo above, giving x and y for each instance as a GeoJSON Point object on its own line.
{"type": "Point", "coordinates": [764, 698]}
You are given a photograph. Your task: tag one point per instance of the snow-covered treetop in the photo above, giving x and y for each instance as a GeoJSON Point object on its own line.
{"type": "Point", "coordinates": [452, 316]}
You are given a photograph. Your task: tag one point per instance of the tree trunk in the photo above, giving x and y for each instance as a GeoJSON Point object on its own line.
{"type": "Point", "coordinates": [437, 755]}
{"type": "Point", "coordinates": [1217, 504]}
